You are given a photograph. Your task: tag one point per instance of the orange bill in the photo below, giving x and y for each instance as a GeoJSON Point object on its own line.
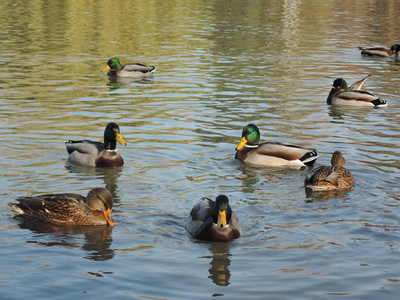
{"type": "Point", "coordinates": [109, 219]}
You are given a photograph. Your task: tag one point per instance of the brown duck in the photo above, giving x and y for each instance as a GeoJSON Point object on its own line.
{"type": "Point", "coordinates": [68, 209]}
{"type": "Point", "coordinates": [213, 220]}
{"type": "Point", "coordinates": [330, 177]}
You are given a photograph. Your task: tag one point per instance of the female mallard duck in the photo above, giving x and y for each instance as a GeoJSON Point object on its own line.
{"type": "Point", "coordinates": [138, 71]}
{"type": "Point", "coordinates": [97, 154]}
{"type": "Point", "coordinates": [330, 177]}
{"type": "Point", "coordinates": [213, 220]}
{"type": "Point", "coordinates": [68, 209]}
{"type": "Point", "coordinates": [340, 94]}
{"type": "Point", "coordinates": [250, 150]}
{"type": "Point", "coordinates": [381, 51]}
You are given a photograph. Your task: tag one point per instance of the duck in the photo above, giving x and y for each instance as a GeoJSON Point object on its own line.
{"type": "Point", "coordinates": [213, 220]}
{"type": "Point", "coordinates": [97, 154]}
{"type": "Point", "coordinates": [68, 209]}
{"type": "Point", "coordinates": [331, 177]}
{"type": "Point", "coordinates": [381, 51]}
{"type": "Point", "coordinates": [138, 71]}
{"type": "Point", "coordinates": [271, 153]}
{"type": "Point", "coordinates": [341, 94]}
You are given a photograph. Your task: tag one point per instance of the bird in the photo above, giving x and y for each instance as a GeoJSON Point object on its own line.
{"type": "Point", "coordinates": [381, 51]}
{"type": "Point", "coordinates": [213, 220]}
{"type": "Point", "coordinates": [138, 71]}
{"type": "Point", "coordinates": [250, 150]}
{"type": "Point", "coordinates": [340, 94]}
{"type": "Point", "coordinates": [97, 154]}
{"type": "Point", "coordinates": [68, 208]}
{"type": "Point", "coordinates": [330, 177]}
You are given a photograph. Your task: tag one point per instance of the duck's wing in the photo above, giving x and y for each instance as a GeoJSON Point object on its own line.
{"type": "Point", "coordinates": [378, 51]}
{"type": "Point", "coordinates": [200, 217]}
{"type": "Point", "coordinates": [137, 68]}
{"type": "Point", "coordinates": [234, 223]}
{"type": "Point", "coordinates": [49, 208]}
{"type": "Point", "coordinates": [84, 146]}
{"type": "Point", "coordinates": [286, 151]}
{"type": "Point", "coordinates": [358, 85]}
{"type": "Point", "coordinates": [357, 98]}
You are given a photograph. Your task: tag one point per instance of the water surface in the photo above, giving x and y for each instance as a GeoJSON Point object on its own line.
{"type": "Point", "coordinates": [220, 65]}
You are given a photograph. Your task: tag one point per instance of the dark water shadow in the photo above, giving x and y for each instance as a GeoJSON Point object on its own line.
{"type": "Point", "coordinates": [318, 196]}
{"type": "Point", "coordinates": [108, 175]}
{"type": "Point", "coordinates": [220, 262]}
{"type": "Point", "coordinates": [115, 83]}
{"type": "Point", "coordinates": [96, 240]}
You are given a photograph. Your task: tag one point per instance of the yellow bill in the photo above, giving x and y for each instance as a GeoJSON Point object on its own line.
{"type": "Point", "coordinates": [106, 68]}
{"type": "Point", "coordinates": [243, 142]}
{"type": "Point", "coordinates": [120, 139]}
{"type": "Point", "coordinates": [222, 219]}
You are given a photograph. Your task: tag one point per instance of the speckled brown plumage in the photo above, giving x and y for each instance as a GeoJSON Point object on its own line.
{"type": "Point", "coordinates": [68, 209]}
{"type": "Point", "coordinates": [330, 177]}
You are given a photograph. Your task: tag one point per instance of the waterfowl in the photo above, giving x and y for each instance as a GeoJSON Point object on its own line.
{"type": "Point", "coordinates": [137, 70]}
{"type": "Point", "coordinates": [330, 177]}
{"type": "Point", "coordinates": [213, 220]}
{"type": "Point", "coordinates": [340, 94]}
{"type": "Point", "coordinates": [68, 209]}
{"type": "Point", "coordinates": [250, 150]}
{"type": "Point", "coordinates": [97, 154]}
{"type": "Point", "coordinates": [381, 51]}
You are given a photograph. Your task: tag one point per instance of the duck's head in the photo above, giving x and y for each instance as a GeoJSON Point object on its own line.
{"type": "Point", "coordinates": [250, 136]}
{"type": "Point", "coordinates": [112, 64]}
{"type": "Point", "coordinates": [395, 48]}
{"type": "Point", "coordinates": [112, 135]}
{"type": "Point", "coordinates": [101, 199]}
{"type": "Point", "coordinates": [222, 211]}
{"type": "Point", "coordinates": [338, 160]}
{"type": "Point", "coordinates": [340, 84]}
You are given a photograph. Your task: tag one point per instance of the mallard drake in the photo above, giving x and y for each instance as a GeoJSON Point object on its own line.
{"type": "Point", "coordinates": [381, 51]}
{"type": "Point", "coordinates": [139, 71]}
{"type": "Point", "coordinates": [213, 220]}
{"type": "Point", "coordinates": [250, 150]}
{"type": "Point", "coordinates": [97, 154]}
{"type": "Point", "coordinates": [340, 94]}
{"type": "Point", "coordinates": [68, 209]}
{"type": "Point", "coordinates": [330, 177]}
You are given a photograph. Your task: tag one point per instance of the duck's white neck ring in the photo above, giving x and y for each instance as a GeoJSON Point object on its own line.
{"type": "Point", "coordinates": [251, 146]}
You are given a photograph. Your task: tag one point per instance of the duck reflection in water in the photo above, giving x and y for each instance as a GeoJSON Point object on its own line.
{"type": "Point", "coordinates": [96, 240]}
{"type": "Point", "coordinates": [219, 271]}
{"type": "Point", "coordinates": [108, 175]}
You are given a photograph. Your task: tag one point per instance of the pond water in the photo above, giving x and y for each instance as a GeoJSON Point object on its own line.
{"type": "Point", "coordinates": [220, 65]}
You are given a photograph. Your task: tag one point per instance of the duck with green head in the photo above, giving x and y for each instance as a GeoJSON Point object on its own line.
{"type": "Point", "coordinates": [98, 154]}
{"type": "Point", "coordinates": [68, 209]}
{"type": "Point", "coordinates": [341, 94]}
{"type": "Point", "coordinates": [251, 150]}
{"type": "Point", "coordinates": [331, 177]}
{"type": "Point", "coordinates": [381, 51]}
{"type": "Point", "coordinates": [137, 70]}
{"type": "Point", "coordinates": [213, 220]}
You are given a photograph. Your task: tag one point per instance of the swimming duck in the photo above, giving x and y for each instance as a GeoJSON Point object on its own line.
{"type": "Point", "coordinates": [68, 209]}
{"type": "Point", "coordinates": [213, 220]}
{"type": "Point", "coordinates": [381, 51]}
{"type": "Point", "coordinates": [250, 150]}
{"type": "Point", "coordinates": [97, 154]}
{"type": "Point", "coordinates": [340, 94]}
{"type": "Point", "coordinates": [138, 71]}
{"type": "Point", "coordinates": [330, 177]}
